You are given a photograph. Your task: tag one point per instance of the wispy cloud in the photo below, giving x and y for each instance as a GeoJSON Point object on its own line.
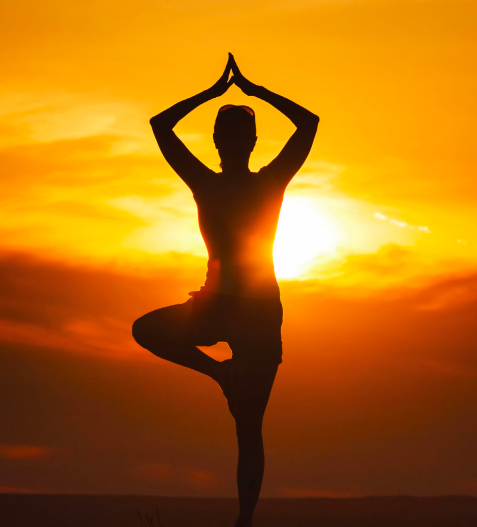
{"type": "Point", "coordinates": [171, 223]}
{"type": "Point", "coordinates": [316, 177]}
{"type": "Point", "coordinates": [25, 451]}
{"type": "Point", "coordinates": [59, 114]}
{"type": "Point", "coordinates": [176, 475]}
{"type": "Point", "coordinates": [402, 224]}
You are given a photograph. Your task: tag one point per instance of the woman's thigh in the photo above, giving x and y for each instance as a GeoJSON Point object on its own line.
{"type": "Point", "coordinates": [253, 384]}
{"type": "Point", "coordinates": [189, 323]}
{"type": "Point", "coordinates": [167, 324]}
{"type": "Point", "coordinates": [254, 334]}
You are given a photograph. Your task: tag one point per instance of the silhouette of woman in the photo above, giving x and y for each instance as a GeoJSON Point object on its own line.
{"type": "Point", "coordinates": [240, 301]}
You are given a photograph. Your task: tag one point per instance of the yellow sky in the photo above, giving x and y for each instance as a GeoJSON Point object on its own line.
{"type": "Point", "coordinates": [96, 229]}
{"type": "Point", "coordinates": [393, 83]}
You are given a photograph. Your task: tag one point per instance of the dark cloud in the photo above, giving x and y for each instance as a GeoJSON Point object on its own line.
{"type": "Point", "coordinates": [24, 451]}
{"type": "Point", "coordinates": [50, 293]}
{"type": "Point", "coordinates": [376, 394]}
{"type": "Point", "coordinates": [453, 293]}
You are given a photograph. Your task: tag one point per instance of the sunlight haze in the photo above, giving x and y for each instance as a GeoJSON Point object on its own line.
{"type": "Point", "coordinates": [376, 248]}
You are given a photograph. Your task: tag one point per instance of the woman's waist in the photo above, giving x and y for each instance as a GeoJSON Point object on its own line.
{"type": "Point", "coordinates": [251, 263]}
{"type": "Point", "coordinates": [252, 279]}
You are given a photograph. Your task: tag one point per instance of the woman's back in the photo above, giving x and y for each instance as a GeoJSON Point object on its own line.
{"type": "Point", "coordinates": [238, 217]}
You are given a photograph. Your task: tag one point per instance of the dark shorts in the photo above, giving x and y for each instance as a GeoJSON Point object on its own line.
{"type": "Point", "coordinates": [250, 326]}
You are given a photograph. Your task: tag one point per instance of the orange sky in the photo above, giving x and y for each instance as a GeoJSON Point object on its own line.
{"type": "Point", "coordinates": [376, 394]}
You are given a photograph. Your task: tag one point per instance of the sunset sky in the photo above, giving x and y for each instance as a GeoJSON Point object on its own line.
{"type": "Point", "coordinates": [376, 248]}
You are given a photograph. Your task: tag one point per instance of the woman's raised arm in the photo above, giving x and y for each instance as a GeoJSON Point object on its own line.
{"type": "Point", "coordinates": [181, 159]}
{"type": "Point", "coordinates": [296, 150]}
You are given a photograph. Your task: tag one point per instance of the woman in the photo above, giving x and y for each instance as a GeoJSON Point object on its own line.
{"type": "Point", "coordinates": [240, 300]}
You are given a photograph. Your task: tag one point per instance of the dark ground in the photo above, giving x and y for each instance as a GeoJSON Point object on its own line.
{"type": "Point", "coordinates": [38, 510]}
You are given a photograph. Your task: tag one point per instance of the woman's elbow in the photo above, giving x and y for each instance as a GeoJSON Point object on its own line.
{"type": "Point", "coordinates": [159, 125]}
{"type": "Point", "coordinates": [310, 123]}
{"type": "Point", "coordinates": [315, 119]}
{"type": "Point", "coordinates": [310, 119]}
{"type": "Point", "coordinates": [153, 121]}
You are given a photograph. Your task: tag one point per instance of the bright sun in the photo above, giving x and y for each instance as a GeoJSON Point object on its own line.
{"type": "Point", "coordinates": [304, 233]}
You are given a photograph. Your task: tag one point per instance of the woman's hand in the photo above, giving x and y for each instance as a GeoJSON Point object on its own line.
{"type": "Point", "coordinates": [223, 84]}
{"type": "Point", "coordinates": [249, 88]}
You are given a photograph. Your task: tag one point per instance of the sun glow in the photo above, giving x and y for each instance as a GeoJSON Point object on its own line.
{"type": "Point", "coordinates": [304, 234]}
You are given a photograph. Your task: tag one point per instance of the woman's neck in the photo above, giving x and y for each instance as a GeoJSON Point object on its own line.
{"type": "Point", "coordinates": [235, 166]}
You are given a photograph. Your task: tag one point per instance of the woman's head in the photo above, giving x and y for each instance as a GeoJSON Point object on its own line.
{"type": "Point", "coordinates": [235, 132]}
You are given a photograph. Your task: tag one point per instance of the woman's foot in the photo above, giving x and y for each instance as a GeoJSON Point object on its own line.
{"type": "Point", "coordinates": [225, 378]}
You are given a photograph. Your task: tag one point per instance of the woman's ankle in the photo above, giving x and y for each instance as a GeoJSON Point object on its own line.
{"type": "Point", "coordinates": [243, 522]}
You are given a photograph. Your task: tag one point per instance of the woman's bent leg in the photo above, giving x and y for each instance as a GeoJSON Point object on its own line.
{"type": "Point", "coordinates": [163, 332]}
{"type": "Point", "coordinates": [252, 387]}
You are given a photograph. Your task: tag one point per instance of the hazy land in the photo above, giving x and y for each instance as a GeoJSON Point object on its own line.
{"type": "Point", "coordinates": [46, 510]}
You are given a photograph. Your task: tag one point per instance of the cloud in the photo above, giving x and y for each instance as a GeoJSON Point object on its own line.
{"type": "Point", "coordinates": [6, 489]}
{"type": "Point", "coordinates": [53, 304]}
{"type": "Point", "coordinates": [59, 114]}
{"type": "Point", "coordinates": [402, 224]}
{"type": "Point", "coordinates": [396, 270]}
{"type": "Point", "coordinates": [383, 376]}
{"type": "Point", "coordinates": [176, 475]}
{"type": "Point", "coordinates": [69, 173]}
{"type": "Point", "coordinates": [171, 224]}
{"type": "Point", "coordinates": [64, 161]}
{"type": "Point", "coordinates": [87, 309]}
{"type": "Point", "coordinates": [25, 452]}
{"type": "Point", "coordinates": [450, 293]}
{"type": "Point", "coordinates": [316, 177]}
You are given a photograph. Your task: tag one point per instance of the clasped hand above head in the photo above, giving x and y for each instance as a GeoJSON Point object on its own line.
{"type": "Point", "coordinates": [224, 83]}
{"type": "Point", "coordinates": [192, 171]}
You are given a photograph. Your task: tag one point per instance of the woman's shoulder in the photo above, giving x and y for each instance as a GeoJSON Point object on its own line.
{"type": "Point", "coordinates": [268, 180]}
{"type": "Point", "coordinates": [265, 174]}
{"type": "Point", "coordinates": [207, 178]}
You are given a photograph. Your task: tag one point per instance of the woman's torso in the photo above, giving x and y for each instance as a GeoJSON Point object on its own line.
{"type": "Point", "coordinates": [238, 218]}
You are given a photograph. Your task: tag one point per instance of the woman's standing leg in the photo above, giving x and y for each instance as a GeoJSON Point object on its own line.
{"type": "Point", "coordinates": [252, 386]}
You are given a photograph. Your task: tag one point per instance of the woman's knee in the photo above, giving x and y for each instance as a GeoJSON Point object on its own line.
{"type": "Point", "coordinates": [141, 330]}
{"type": "Point", "coordinates": [145, 331]}
{"type": "Point", "coordinates": [248, 426]}
{"type": "Point", "coordinates": [162, 326]}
